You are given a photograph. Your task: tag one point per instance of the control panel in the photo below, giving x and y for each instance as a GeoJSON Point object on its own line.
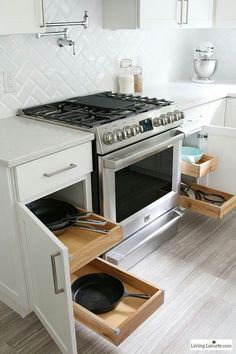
{"type": "Point", "coordinates": [142, 126]}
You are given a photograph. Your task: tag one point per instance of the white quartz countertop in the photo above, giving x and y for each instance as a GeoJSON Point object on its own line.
{"type": "Point", "coordinates": [23, 140]}
{"type": "Point", "coordinates": [189, 94]}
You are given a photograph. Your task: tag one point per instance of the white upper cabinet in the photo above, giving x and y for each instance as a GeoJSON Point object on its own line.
{"type": "Point", "coordinates": [197, 13]}
{"type": "Point", "coordinates": [156, 13]}
{"type": "Point", "coordinates": [21, 16]}
{"type": "Point", "coordinates": [225, 13]}
{"type": "Point", "coordinates": [131, 14]}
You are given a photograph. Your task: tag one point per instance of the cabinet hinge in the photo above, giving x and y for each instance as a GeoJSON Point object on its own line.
{"type": "Point", "coordinates": [202, 136]}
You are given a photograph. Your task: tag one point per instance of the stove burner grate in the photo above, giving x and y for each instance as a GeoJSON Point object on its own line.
{"type": "Point", "coordinates": [94, 110]}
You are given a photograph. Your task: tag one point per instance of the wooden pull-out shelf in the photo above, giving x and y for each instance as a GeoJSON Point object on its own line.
{"type": "Point", "coordinates": [207, 208]}
{"type": "Point", "coordinates": [84, 245]}
{"type": "Point", "coordinates": [208, 163]}
{"type": "Point", "coordinates": [118, 324]}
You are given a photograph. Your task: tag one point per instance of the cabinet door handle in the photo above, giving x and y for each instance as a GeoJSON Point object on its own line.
{"type": "Point", "coordinates": [181, 12]}
{"type": "Point", "coordinates": [186, 13]}
{"type": "Point", "coordinates": [70, 167]}
{"type": "Point", "coordinates": [54, 273]}
{"type": "Point", "coordinates": [43, 14]}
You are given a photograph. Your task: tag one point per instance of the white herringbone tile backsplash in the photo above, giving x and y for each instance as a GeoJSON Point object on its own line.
{"type": "Point", "coordinates": [44, 72]}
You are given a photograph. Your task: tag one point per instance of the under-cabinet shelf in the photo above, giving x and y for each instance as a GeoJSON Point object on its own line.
{"type": "Point", "coordinates": [119, 323]}
{"type": "Point", "coordinates": [207, 164]}
{"type": "Point", "coordinates": [85, 245]}
{"type": "Point", "coordinates": [207, 208]}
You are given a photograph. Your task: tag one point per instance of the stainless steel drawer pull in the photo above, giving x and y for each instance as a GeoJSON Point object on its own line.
{"type": "Point", "coordinates": [43, 14]}
{"type": "Point", "coordinates": [181, 12]}
{"type": "Point", "coordinates": [186, 13]}
{"type": "Point", "coordinates": [54, 273]}
{"type": "Point", "coordinates": [70, 167]}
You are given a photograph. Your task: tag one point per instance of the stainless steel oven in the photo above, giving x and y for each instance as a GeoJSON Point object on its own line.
{"type": "Point", "coordinates": [139, 187]}
{"type": "Point", "coordinates": [136, 156]}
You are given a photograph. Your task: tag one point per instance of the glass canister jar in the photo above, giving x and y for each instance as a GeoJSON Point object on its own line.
{"type": "Point", "coordinates": [126, 77]}
{"type": "Point", "coordinates": [138, 78]}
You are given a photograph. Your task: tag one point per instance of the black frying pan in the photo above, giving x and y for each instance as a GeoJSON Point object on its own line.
{"type": "Point", "coordinates": [55, 214]}
{"type": "Point", "coordinates": [58, 216]}
{"type": "Point", "coordinates": [100, 292]}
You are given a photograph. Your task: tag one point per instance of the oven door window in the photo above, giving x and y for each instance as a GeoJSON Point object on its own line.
{"type": "Point", "coordinates": [143, 183]}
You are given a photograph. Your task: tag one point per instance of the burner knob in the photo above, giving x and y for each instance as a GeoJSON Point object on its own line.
{"type": "Point", "coordinates": [118, 136]}
{"type": "Point", "coordinates": [108, 138]}
{"type": "Point", "coordinates": [136, 129]}
{"type": "Point", "coordinates": [157, 122]}
{"type": "Point", "coordinates": [176, 116]}
{"type": "Point", "coordinates": [127, 132]}
{"type": "Point", "coordinates": [163, 119]}
{"type": "Point", "coordinates": [170, 117]}
{"type": "Point", "coordinates": [179, 114]}
{"type": "Point", "coordinates": [141, 128]}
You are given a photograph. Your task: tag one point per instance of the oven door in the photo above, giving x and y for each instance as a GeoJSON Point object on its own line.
{"type": "Point", "coordinates": [139, 183]}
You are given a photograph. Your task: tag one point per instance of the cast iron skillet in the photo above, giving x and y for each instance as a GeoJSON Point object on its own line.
{"type": "Point", "coordinates": [58, 216]}
{"type": "Point", "coordinates": [100, 292]}
{"type": "Point", "coordinates": [55, 214]}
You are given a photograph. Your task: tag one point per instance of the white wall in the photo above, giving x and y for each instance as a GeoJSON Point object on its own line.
{"type": "Point", "coordinates": [44, 72]}
{"type": "Point", "coordinates": [224, 41]}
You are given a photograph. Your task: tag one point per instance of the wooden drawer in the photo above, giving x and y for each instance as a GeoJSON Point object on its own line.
{"type": "Point", "coordinates": [46, 174]}
{"type": "Point", "coordinates": [208, 163]}
{"type": "Point", "coordinates": [206, 208]}
{"type": "Point", "coordinates": [84, 245]}
{"type": "Point", "coordinates": [118, 324]}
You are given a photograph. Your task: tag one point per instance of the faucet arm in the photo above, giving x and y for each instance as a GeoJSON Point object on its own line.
{"type": "Point", "coordinates": [84, 22]}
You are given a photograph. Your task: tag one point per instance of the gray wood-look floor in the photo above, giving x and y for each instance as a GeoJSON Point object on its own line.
{"type": "Point", "coordinates": [197, 268]}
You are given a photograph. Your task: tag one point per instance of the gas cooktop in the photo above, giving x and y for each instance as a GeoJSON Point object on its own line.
{"type": "Point", "coordinates": [95, 110]}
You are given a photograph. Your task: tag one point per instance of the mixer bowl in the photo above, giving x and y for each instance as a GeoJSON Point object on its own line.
{"type": "Point", "coordinates": [205, 68]}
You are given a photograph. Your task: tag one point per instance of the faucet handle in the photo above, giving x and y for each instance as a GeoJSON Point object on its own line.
{"type": "Point", "coordinates": [73, 47]}
{"type": "Point", "coordinates": [72, 44]}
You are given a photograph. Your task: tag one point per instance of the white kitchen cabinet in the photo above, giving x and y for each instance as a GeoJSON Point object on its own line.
{"type": "Point", "coordinates": [24, 16]}
{"type": "Point", "coordinates": [212, 113]}
{"type": "Point", "coordinates": [12, 279]}
{"type": "Point", "coordinates": [53, 262]}
{"type": "Point", "coordinates": [24, 243]}
{"type": "Point", "coordinates": [156, 13]}
{"type": "Point", "coordinates": [197, 13]}
{"type": "Point", "coordinates": [225, 14]}
{"type": "Point", "coordinates": [230, 114]}
{"type": "Point", "coordinates": [51, 302]}
{"type": "Point", "coordinates": [221, 141]}
{"type": "Point", "coordinates": [215, 114]}
{"type": "Point", "coordinates": [131, 14]}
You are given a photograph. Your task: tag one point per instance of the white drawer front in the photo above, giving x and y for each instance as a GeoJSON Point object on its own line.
{"type": "Point", "coordinates": [47, 173]}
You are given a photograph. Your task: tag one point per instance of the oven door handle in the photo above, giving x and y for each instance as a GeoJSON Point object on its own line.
{"type": "Point", "coordinates": [143, 150]}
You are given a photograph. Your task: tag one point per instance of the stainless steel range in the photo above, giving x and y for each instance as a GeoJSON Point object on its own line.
{"type": "Point", "coordinates": [136, 174]}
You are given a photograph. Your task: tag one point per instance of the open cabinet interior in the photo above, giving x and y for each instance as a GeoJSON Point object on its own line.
{"type": "Point", "coordinates": [57, 260]}
{"type": "Point", "coordinates": [76, 194]}
{"type": "Point", "coordinates": [84, 244]}
{"type": "Point", "coordinates": [202, 197]}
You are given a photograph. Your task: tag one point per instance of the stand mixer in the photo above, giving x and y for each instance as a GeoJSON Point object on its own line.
{"type": "Point", "coordinates": [204, 65]}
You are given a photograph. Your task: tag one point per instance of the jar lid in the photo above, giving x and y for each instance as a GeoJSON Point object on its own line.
{"type": "Point", "coordinates": [125, 63]}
